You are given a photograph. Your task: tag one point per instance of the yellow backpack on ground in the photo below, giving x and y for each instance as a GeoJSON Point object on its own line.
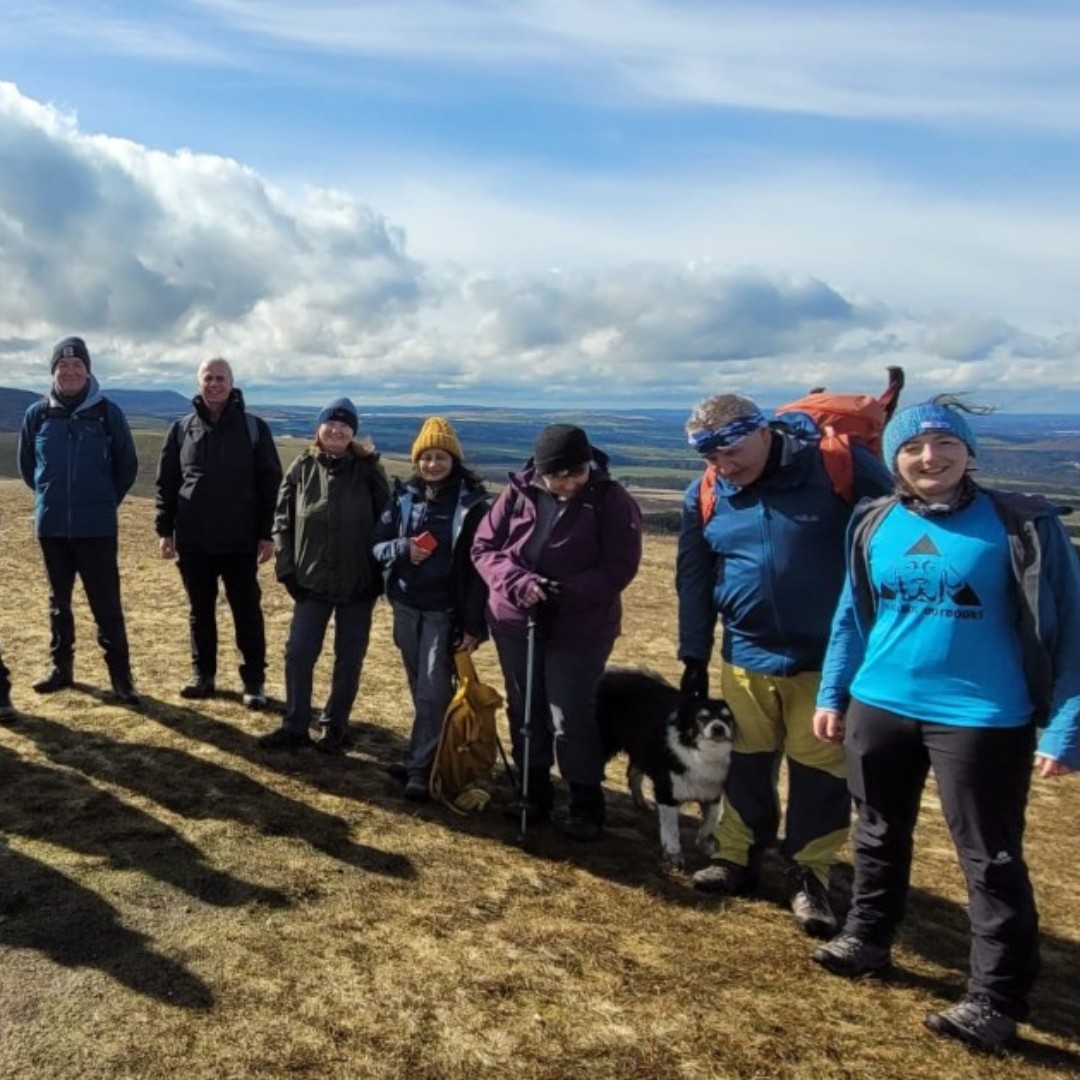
{"type": "Point", "coordinates": [469, 744]}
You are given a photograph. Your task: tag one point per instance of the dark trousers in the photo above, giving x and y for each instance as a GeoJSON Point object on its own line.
{"type": "Point", "coordinates": [425, 641]}
{"type": "Point", "coordinates": [239, 574]}
{"type": "Point", "coordinates": [5, 682]}
{"type": "Point", "coordinates": [93, 559]}
{"type": "Point", "coordinates": [983, 776]}
{"type": "Point", "coordinates": [352, 628]}
{"type": "Point", "coordinates": [563, 720]}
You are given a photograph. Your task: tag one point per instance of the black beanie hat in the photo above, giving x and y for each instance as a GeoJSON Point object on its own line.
{"type": "Point", "coordinates": [69, 348]}
{"type": "Point", "coordinates": [561, 448]}
{"type": "Point", "coordinates": [342, 410]}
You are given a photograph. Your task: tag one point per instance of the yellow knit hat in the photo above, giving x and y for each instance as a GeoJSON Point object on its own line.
{"type": "Point", "coordinates": [437, 434]}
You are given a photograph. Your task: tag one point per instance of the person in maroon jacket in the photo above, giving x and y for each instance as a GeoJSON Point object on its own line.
{"type": "Point", "coordinates": [561, 543]}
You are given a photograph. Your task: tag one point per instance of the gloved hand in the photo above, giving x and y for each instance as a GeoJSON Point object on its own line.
{"type": "Point", "coordinates": [547, 610]}
{"type": "Point", "coordinates": [292, 587]}
{"type": "Point", "coordinates": [695, 679]}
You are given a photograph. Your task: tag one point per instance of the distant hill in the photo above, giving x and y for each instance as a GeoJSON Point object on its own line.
{"type": "Point", "coordinates": [159, 404]}
{"type": "Point", "coordinates": [13, 406]}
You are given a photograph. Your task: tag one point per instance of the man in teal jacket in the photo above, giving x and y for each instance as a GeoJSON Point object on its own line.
{"type": "Point", "coordinates": [762, 548]}
{"type": "Point", "coordinates": [77, 455]}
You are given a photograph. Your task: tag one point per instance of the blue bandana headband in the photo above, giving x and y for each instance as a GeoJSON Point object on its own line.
{"type": "Point", "coordinates": [709, 440]}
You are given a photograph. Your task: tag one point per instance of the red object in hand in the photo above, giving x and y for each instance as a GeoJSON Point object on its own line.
{"type": "Point", "coordinates": [426, 541]}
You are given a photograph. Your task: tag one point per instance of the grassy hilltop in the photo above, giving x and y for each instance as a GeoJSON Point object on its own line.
{"type": "Point", "coordinates": [174, 902]}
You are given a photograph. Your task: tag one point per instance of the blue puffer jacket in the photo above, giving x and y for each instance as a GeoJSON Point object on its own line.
{"type": "Point", "coordinates": [79, 462]}
{"type": "Point", "coordinates": [769, 562]}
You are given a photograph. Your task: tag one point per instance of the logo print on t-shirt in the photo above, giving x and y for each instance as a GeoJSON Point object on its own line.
{"type": "Point", "coordinates": [924, 578]}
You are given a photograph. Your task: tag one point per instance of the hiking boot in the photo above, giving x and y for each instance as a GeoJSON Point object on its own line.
{"type": "Point", "coordinates": [416, 790]}
{"type": "Point", "coordinates": [582, 829]}
{"type": "Point", "coordinates": [7, 710]}
{"type": "Point", "coordinates": [57, 679]}
{"type": "Point", "coordinates": [398, 770]}
{"type": "Point", "coordinates": [851, 956]}
{"type": "Point", "coordinates": [124, 693]}
{"type": "Point", "coordinates": [283, 739]}
{"type": "Point", "coordinates": [724, 878]}
{"type": "Point", "coordinates": [810, 904]}
{"type": "Point", "coordinates": [976, 1022]}
{"type": "Point", "coordinates": [332, 742]}
{"type": "Point", "coordinates": [254, 695]}
{"type": "Point", "coordinates": [200, 687]}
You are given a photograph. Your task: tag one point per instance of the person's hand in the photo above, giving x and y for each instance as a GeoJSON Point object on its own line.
{"type": "Point", "coordinates": [266, 551]}
{"type": "Point", "coordinates": [418, 554]}
{"type": "Point", "coordinates": [468, 643]}
{"type": "Point", "coordinates": [167, 547]}
{"type": "Point", "coordinates": [1047, 767]}
{"type": "Point", "coordinates": [829, 725]}
{"type": "Point", "coordinates": [695, 679]}
{"type": "Point", "coordinates": [535, 593]}
{"type": "Point", "coordinates": [292, 587]}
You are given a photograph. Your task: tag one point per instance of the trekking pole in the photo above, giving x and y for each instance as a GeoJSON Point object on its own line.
{"type": "Point", "coordinates": [526, 730]}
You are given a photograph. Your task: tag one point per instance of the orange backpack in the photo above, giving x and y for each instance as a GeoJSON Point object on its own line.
{"type": "Point", "coordinates": [835, 421]}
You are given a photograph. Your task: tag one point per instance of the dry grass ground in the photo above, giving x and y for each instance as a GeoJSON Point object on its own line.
{"type": "Point", "coordinates": [174, 902]}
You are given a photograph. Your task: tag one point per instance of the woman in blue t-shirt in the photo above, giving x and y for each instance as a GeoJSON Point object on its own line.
{"type": "Point", "coordinates": [954, 648]}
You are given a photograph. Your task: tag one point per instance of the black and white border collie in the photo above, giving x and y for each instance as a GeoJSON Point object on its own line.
{"type": "Point", "coordinates": [682, 744]}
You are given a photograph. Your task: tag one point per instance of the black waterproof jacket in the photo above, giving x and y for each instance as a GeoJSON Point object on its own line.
{"type": "Point", "coordinates": [217, 481]}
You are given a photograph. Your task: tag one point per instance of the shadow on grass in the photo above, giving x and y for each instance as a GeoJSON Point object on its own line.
{"type": "Point", "coordinates": [42, 910]}
{"type": "Point", "coordinates": [63, 808]}
{"type": "Point", "coordinates": [204, 790]}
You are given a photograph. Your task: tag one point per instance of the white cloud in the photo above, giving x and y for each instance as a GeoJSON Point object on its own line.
{"type": "Point", "coordinates": [162, 259]}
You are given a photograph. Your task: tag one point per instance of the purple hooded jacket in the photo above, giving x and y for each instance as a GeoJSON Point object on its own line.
{"type": "Point", "coordinates": [593, 553]}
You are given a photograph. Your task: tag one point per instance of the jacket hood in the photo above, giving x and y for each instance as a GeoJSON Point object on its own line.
{"type": "Point", "coordinates": [93, 396]}
{"type": "Point", "coordinates": [235, 401]}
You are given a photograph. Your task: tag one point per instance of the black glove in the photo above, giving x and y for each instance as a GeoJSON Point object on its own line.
{"type": "Point", "coordinates": [695, 679]}
{"type": "Point", "coordinates": [547, 611]}
{"type": "Point", "coordinates": [292, 587]}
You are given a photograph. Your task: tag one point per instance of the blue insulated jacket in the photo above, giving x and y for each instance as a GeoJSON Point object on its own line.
{"type": "Point", "coordinates": [79, 462]}
{"type": "Point", "coordinates": [769, 563]}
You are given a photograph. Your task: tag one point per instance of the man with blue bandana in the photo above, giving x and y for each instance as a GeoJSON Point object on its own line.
{"type": "Point", "coordinates": [761, 548]}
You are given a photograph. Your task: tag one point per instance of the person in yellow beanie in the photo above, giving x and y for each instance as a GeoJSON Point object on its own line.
{"type": "Point", "coordinates": [423, 542]}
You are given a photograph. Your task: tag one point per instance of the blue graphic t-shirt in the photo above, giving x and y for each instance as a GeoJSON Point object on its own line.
{"type": "Point", "coordinates": [944, 646]}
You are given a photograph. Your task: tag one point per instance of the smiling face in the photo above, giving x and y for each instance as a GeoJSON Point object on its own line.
{"type": "Point", "coordinates": [932, 467]}
{"type": "Point", "coordinates": [744, 462]}
{"type": "Point", "coordinates": [215, 383]}
{"type": "Point", "coordinates": [435, 465]}
{"type": "Point", "coordinates": [70, 376]}
{"type": "Point", "coordinates": [334, 437]}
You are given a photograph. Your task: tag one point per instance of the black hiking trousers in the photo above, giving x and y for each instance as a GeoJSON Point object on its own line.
{"type": "Point", "coordinates": [93, 559]}
{"type": "Point", "coordinates": [983, 775]}
{"type": "Point", "coordinates": [239, 574]}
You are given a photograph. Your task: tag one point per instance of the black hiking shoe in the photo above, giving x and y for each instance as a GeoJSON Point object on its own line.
{"type": "Point", "coordinates": [584, 830]}
{"type": "Point", "coordinates": [200, 687]}
{"type": "Point", "coordinates": [7, 710]}
{"type": "Point", "coordinates": [283, 739]}
{"type": "Point", "coordinates": [398, 770]}
{"type": "Point", "coordinates": [333, 742]}
{"type": "Point", "coordinates": [976, 1022]}
{"type": "Point", "coordinates": [416, 790]}
{"type": "Point", "coordinates": [852, 957]}
{"type": "Point", "coordinates": [125, 694]}
{"type": "Point", "coordinates": [57, 679]}
{"type": "Point", "coordinates": [810, 904]}
{"type": "Point", "coordinates": [255, 696]}
{"type": "Point", "coordinates": [724, 878]}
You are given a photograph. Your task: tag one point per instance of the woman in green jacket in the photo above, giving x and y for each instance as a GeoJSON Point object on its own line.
{"type": "Point", "coordinates": [330, 499]}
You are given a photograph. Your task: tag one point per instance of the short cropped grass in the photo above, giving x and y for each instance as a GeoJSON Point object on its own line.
{"type": "Point", "coordinates": [175, 902]}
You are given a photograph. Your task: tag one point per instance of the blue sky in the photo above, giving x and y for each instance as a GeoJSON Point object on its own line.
{"type": "Point", "coordinates": [545, 201]}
